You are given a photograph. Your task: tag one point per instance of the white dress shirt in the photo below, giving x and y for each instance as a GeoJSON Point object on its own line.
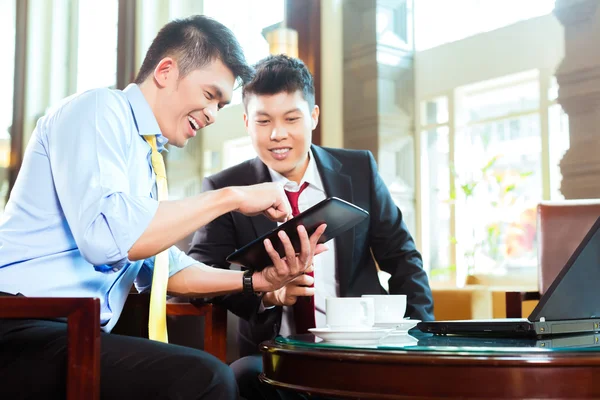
{"type": "Point", "coordinates": [326, 282]}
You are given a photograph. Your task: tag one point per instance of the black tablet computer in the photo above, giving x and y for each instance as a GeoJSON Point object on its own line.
{"type": "Point", "coordinates": [339, 215]}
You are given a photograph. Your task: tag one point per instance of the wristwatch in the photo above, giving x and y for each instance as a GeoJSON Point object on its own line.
{"type": "Point", "coordinates": [248, 288]}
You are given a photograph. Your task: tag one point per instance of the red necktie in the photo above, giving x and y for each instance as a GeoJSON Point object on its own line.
{"type": "Point", "coordinates": [304, 309]}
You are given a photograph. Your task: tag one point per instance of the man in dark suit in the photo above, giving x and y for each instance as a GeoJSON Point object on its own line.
{"type": "Point", "coordinates": [280, 115]}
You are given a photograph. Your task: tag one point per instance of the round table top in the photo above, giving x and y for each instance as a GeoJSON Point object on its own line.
{"type": "Point", "coordinates": [427, 366]}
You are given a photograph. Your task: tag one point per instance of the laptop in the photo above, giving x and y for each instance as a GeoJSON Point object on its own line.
{"type": "Point", "coordinates": [570, 305]}
{"type": "Point", "coordinates": [581, 340]}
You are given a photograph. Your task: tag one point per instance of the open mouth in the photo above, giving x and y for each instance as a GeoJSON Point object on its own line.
{"type": "Point", "coordinates": [283, 150]}
{"type": "Point", "coordinates": [280, 153]}
{"type": "Point", "coordinates": [193, 123]}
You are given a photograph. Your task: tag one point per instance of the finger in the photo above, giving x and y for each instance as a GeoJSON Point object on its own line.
{"type": "Point", "coordinates": [314, 238]}
{"type": "Point", "coordinates": [308, 280]}
{"type": "Point", "coordinates": [321, 248]}
{"type": "Point", "coordinates": [311, 268]}
{"type": "Point", "coordinates": [302, 280]}
{"type": "Point", "coordinates": [305, 247]}
{"type": "Point", "coordinates": [301, 291]}
{"type": "Point", "coordinates": [290, 300]}
{"type": "Point", "coordinates": [281, 203]}
{"type": "Point", "coordinates": [290, 253]}
{"type": "Point", "coordinates": [276, 215]}
{"type": "Point", "coordinates": [278, 263]}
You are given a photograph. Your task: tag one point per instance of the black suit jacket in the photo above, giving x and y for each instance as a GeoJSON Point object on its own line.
{"type": "Point", "coordinates": [350, 175]}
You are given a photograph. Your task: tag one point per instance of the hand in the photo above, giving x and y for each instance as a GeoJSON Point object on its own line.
{"type": "Point", "coordinates": [266, 198]}
{"type": "Point", "coordinates": [288, 295]}
{"type": "Point", "coordinates": [286, 269]}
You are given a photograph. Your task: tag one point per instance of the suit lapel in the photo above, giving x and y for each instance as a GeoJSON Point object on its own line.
{"type": "Point", "coordinates": [339, 185]}
{"type": "Point", "coordinates": [260, 174]}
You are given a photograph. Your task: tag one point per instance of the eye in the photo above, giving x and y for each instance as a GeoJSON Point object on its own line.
{"type": "Point", "coordinates": [262, 121]}
{"type": "Point", "coordinates": [208, 95]}
{"type": "Point", "coordinates": [293, 119]}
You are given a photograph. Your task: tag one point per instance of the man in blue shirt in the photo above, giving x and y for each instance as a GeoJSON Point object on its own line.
{"type": "Point", "coordinates": [83, 220]}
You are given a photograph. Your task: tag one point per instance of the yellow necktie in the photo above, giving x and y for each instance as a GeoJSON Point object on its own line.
{"type": "Point", "coordinates": [157, 322]}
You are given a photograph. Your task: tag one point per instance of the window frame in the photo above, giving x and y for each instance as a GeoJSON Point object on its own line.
{"type": "Point", "coordinates": [459, 277]}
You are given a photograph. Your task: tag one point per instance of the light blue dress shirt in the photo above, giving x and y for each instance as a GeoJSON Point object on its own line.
{"type": "Point", "coordinates": [85, 193]}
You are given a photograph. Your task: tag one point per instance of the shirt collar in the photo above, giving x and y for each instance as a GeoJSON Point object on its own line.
{"type": "Point", "coordinates": [145, 121]}
{"type": "Point", "coordinates": [311, 175]}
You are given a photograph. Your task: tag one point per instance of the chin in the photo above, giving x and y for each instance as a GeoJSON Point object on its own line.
{"type": "Point", "coordinates": [284, 170]}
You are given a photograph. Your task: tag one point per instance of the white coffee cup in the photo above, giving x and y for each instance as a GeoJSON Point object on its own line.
{"type": "Point", "coordinates": [349, 313]}
{"type": "Point", "coordinates": [389, 308]}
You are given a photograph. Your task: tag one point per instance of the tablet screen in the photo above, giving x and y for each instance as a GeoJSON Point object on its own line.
{"type": "Point", "coordinates": [339, 215]}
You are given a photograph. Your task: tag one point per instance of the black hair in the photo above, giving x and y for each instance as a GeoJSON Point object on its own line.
{"type": "Point", "coordinates": [280, 73]}
{"type": "Point", "coordinates": [194, 42]}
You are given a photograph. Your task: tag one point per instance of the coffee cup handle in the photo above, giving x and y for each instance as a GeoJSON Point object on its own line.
{"type": "Point", "coordinates": [365, 315]}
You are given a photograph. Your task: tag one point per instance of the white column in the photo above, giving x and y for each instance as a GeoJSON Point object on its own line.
{"type": "Point", "coordinates": [578, 77]}
{"type": "Point", "coordinates": [379, 91]}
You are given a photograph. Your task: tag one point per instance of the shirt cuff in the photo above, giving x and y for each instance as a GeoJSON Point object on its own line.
{"type": "Point", "coordinates": [178, 260]}
{"type": "Point", "coordinates": [262, 308]}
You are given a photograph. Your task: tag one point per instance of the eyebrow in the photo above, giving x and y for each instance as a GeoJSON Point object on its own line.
{"type": "Point", "coordinates": [264, 113]}
{"type": "Point", "coordinates": [292, 111]}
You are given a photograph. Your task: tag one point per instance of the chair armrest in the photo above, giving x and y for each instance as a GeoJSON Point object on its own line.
{"type": "Point", "coordinates": [514, 302]}
{"type": "Point", "coordinates": [83, 336]}
{"type": "Point", "coordinates": [215, 324]}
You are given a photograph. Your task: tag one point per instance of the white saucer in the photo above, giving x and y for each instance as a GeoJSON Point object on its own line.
{"type": "Point", "coordinates": [400, 326]}
{"type": "Point", "coordinates": [402, 340]}
{"type": "Point", "coordinates": [354, 337]}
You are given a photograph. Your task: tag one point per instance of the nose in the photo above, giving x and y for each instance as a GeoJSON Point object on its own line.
{"type": "Point", "coordinates": [210, 112]}
{"type": "Point", "coordinates": [278, 133]}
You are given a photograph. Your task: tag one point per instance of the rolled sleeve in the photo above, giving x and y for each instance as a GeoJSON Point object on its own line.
{"type": "Point", "coordinates": [89, 148]}
{"type": "Point", "coordinates": [178, 260]}
{"type": "Point", "coordinates": [117, 221]}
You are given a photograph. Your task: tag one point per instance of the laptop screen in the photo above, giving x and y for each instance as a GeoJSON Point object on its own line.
{"type": "Point", "coordinates": [575, 293]}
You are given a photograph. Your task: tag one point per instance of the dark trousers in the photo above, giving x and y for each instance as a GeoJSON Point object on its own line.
{"type": "Point", "coordinates": [33, 366]}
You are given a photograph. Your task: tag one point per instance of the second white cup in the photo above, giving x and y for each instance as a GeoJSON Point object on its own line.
{"type": "Point", "coordinates": [389, 308]}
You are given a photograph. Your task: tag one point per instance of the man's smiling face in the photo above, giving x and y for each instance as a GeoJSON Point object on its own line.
{"type": "Point", "coordinates": [280, 127]}
{"type": "Point", "coordinates": [187, 104]}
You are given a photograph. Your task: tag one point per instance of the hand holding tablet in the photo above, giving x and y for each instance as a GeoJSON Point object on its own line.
{"type": "Point", "coordinates": [339, 215]}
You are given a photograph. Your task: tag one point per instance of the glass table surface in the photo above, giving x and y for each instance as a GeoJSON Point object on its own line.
{"type": "Point", "coordinates": [417, 341]}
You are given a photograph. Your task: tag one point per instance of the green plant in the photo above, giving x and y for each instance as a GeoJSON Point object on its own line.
{"type": "Point", "coordinates": [498, 186]}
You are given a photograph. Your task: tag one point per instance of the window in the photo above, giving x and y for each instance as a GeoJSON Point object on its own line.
{"type": "Point", "coordinates": [7, 32]}
{"type": "Point", "coordinates": [559, 143]}
{"type": "Point", "coordinates": [247, 23]}
{"type": "Point", "coordinates": [442, 21]}
{"type": "Point", "coordinates": [436, 210]}
{"type": "Point", "coordinates": [483, 173]}
{"type": "Point", "coordinates": [97, 44]}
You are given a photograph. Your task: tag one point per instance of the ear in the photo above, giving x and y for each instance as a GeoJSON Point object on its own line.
{"type": "Point", "coordinates": [246, 121]}
{"type": "Point", "coordinates": [315, 116]}
{"type": "Point", "coordinates": [166, 71]}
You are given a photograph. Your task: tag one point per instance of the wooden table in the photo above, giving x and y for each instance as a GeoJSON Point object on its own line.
{"type": "Point", "coordinates": [437, 367]}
